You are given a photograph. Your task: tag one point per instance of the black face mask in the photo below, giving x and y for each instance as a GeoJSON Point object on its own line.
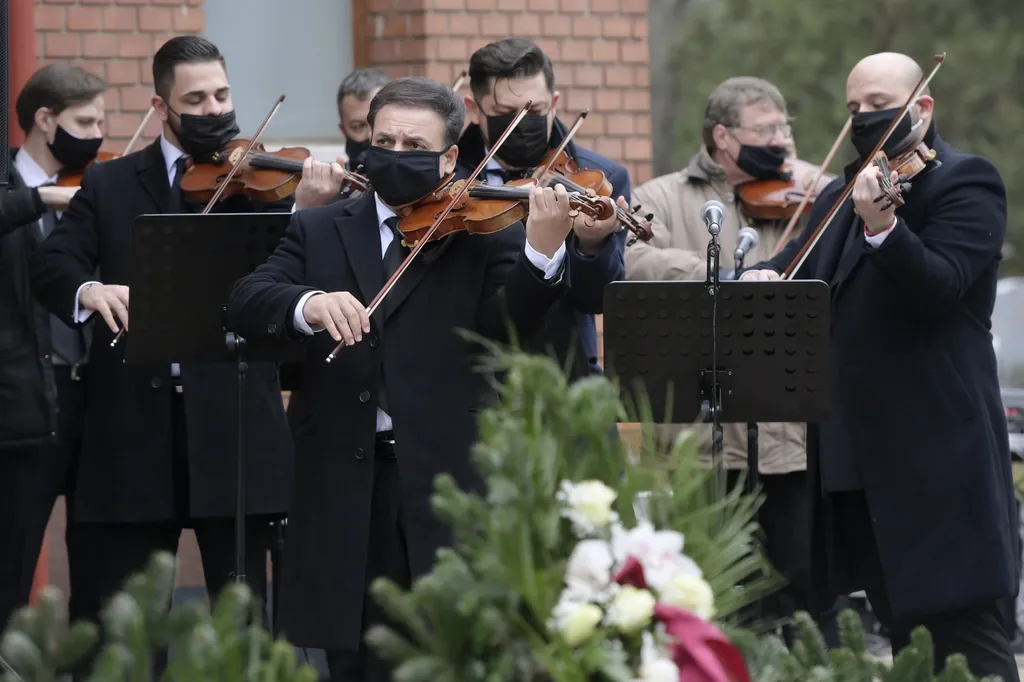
{"type": "Point", "coordinates": [203, 135]}
{"type": "Point", "coordinates": [73, 152]}
{"type": "Point", "coordinates": [401, 178]}
{"type": "Point", "coordinates": [869, 126]}
{"type": "Point", "coordinates": [526, 144]}
{"type": "Point", "coordinates": [355, 150]}
{"type": "Point", "coordinates": [762, 163]}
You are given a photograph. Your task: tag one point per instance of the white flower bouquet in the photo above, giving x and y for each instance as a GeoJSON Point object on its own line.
{"type": "Point", "coordinates": [638, 591]}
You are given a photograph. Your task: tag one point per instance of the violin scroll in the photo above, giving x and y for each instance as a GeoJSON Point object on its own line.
{"type": "Point", "coordinates": [906, 165]}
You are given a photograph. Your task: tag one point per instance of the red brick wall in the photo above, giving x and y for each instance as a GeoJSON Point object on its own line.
{"type": "Point", "coordinates": [599, 48]}
{"type": "Point", "coordinates": [115, 40]}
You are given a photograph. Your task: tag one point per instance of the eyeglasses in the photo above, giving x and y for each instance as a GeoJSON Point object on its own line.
{"type": "Point", "coordinates": [768, 129]}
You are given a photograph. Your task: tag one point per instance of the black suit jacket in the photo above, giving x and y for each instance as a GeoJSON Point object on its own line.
{"type": "Point", "coordinates": [469, 282]}
{"type": "Point", "coordinates": [28, 395]}
{"type": "Point", "coordinates": [126, 465]}
{"type": "Point", "coordinates": [914, 389]}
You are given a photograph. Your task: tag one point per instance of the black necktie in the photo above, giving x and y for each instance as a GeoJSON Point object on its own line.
{"type": "Point", "coordinates": [177, 203]}
{"type": "Point", "coordinates": [390, 262]}
{"type": "Point", "coordinates": [395, 252]}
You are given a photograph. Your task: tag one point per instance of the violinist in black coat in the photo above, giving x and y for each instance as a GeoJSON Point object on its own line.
{"type": "Point", "coordinates": [911, 472]}
{"type": "Point", "coordinates": [503, 77]}
{"type": "Point", "coordinates": [397, 406]}
{"type": "Point", "coordinates": [159, 443]}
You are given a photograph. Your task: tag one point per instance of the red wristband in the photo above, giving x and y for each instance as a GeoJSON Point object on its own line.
{"type": "Point", "coordinates": [869, 233]}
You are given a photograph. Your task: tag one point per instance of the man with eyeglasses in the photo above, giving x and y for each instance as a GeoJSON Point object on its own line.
{"type": "Point", "coordinates": [746, 137]}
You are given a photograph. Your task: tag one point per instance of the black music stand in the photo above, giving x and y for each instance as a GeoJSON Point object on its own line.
{"type": "Point", "coordinates": [754, 353]}
{"type": "Point", "coordinates": [182, 270]}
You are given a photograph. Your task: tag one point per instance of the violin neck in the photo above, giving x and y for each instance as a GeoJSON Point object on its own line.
{"type": "Point", "coordinates": [271, 162]}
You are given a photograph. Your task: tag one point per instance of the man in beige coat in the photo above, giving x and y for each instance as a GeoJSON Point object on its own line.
{"type": "Point", "coordinates": [747, 136]}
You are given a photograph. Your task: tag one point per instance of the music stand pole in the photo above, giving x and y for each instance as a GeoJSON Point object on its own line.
{"type": "Point", "coordinates": [711, 407]}
{"type": "Point", "coordinates": [236, 344]}
{"type": "Point", "coordinates": [182, 270]}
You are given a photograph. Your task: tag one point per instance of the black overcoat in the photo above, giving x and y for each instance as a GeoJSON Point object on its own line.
{"type": "Point", "coordinates": [125, 473]}
{"type": "Point", "coordinates": [472, 282]}
{"type": "Point", "coordinates": [913, 377]}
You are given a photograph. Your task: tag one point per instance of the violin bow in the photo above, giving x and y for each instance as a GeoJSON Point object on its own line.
{"type": "Point", "coordinates": [805, 251]}
{"type": "Point", "coordinates": [227, 178]}
{"type": "Point", "coordinates": [386, 289]}
{"type": "Point", "coordinates": [461, 80]}
{"type": "Point", "coordinates": [542, 177]}
{"type": "Point", "coordinates": [138, 132]}
{"type": "Point", "coordinates": [241, 157]}
{"type": "Point", "coordinates": [817, 178]}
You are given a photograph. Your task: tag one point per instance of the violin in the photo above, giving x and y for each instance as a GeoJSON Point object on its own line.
{"type": "Point", "coordinates": [72, 177]}
{"type": "Point", "coordinates": [243, 166]}
{"type": "Point", "coordinates": [558, 167]}
{"type": "Point", "coordinates": [780, 199]}
{"type": "Point", "coordinates": [439, 212]}
{"type": "Point", "coordinates": [262, 176]}
{"type": "Point", "coordinates": [485, 209]}
{"type": "Point", "coordinates": [906, 165]}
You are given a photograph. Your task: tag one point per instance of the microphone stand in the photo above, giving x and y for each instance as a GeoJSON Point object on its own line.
{"type": "Point", "coordinates": [711, 407]}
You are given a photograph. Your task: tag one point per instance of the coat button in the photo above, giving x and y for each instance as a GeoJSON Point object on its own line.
{"type": "Point", "coordinates": [364, 397]}
{"type": "Point", "coordinates": [271, 328]}
{"type": "Point", "coordinates": [360, 454]}
{"type": "Point", "coordinates": [373, 341]}
{"type": "Point", "coordinates": [155, 382]}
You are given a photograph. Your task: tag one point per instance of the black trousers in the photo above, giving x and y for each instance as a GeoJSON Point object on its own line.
{"type": "Point", "coordinates": [387, 556]}
{"type": "Point", "coordinates": [979, 632]}
{"type": "Point", "coordinates": [785, 521]}
{"type": "Point", "coordinates": [116, 551]}
{"type": "Point", "coordinates": [31, 479]}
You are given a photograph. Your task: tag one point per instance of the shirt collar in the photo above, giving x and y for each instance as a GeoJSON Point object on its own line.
{"type": "Point", "coordinates": [171, 154]}
{"type": "Point", "coordinates": [32, 174]}
{"type": "Point", "coordinates": [383, 212]}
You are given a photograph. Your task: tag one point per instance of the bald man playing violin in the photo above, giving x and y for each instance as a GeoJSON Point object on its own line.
{"type": "Point", "coordinates": [912, 480]}
{"type": "Point", "coordinates": [397, 406]}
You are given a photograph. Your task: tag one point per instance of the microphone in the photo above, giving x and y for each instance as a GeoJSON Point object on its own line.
{"type": "Point", "coordinates": [748, 240]}
{"type": "Point", "coordinates": [712, 214]}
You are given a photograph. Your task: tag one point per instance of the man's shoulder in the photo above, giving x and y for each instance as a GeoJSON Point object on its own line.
{"type": "Point", "coordinates": [663, 183]}
{"type": "Point", "coordinates": [328, 213]}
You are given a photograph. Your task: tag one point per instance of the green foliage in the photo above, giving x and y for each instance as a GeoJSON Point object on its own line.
{"type": "Point", "coordinates": [810, 659]}
{"type": "Point", "coordinates": [807, 49]}
{"type": "Point", "coordinates": [227, 644]}
{"type": "Point", "coordinates": [481, 614]}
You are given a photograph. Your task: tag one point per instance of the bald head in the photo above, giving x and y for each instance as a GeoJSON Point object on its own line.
{"type": "Point", "coordinates": [882, 81]}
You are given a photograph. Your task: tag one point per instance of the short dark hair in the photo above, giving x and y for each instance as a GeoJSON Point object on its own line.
{"type": "Point", "coordinates": [423, 93]}
{"type": "Point", "coordinates": [181, 50]}
{"type": "Point", "coordinates": [56, 86]}
{"type": "Point", "coordinates": [361, 83]}
{"type": "Point", "coordinates": [511, 58]}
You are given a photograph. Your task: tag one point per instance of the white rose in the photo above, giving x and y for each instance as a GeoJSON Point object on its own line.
{"type": "Point", "coordinates": [692, 593]}
{"type": "Point", "coordinates": [588, 505]}
{"type": "Point", "coordinates": [631, 609]}
{"type": "Point", "coordinates": [588, 574]}
{"type": "Point", "coordinates": [660, 552]}
{"type": "Point", "coordinates": [578, 622]}
{"type": "Point", "coordinates": [655, 666]}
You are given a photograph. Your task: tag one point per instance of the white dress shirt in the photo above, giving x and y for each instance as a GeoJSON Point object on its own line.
{"type": "Point", "coordinates": [171, 156]}
{"type": "Point", "coordinates": [549, 266]}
